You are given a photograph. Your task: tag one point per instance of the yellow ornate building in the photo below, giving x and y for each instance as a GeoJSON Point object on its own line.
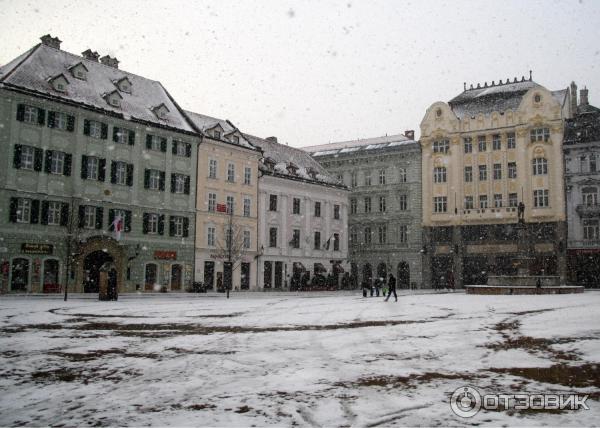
{"type": "Point", "coordinates": [484, 152]}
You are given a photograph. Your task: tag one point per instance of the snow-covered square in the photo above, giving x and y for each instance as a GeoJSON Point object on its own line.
{"type": "Point", "coordinates": [293, 359]}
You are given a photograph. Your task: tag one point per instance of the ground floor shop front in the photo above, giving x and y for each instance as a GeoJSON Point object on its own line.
{"type": "Point", "coordinates": [583, 267]}
{"type": "Point", "coordinates": [212, 271]}
{"type": "Point", "coordinates": [302, 273]}
{"type": "Point", "coordinates": [406, 266]}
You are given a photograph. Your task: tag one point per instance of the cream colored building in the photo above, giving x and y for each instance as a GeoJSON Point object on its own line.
{"type": "Point", "coordinates": [227, 180]}
{"type": "Point", "coordinates": [483, 153]}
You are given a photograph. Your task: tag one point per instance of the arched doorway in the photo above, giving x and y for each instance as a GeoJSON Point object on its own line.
{"type": "Point", "coordinates": [151, 277]}
{"type": "Point", "coordinates": [92, 263]}
{"type": "Point", "coordinates": [19, 280]}
{"type": "Point", "coordinates": [403, 275]}
{"type": "Point", "coordinates": [382, 271]}
{"type": "Point", "coordinates": [176, 277]}
{"type": "Point", "coordinates": [51, 282]}
{"type": "Point", "coordinates": [367, 273]}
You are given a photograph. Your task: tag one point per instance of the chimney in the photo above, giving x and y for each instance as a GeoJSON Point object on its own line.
{"type": "Point", "coordinates": [573, 98]}
{"type": "Point", "coordinates": [91, 55]}
{"type": "Point", "coordinates": [271, 139]}
{"type": "Point", "coordinates": [410, 134]}
{"type": "Point", "coordinates": [583, 97]}
{"type": "Point", "coordinates": [111, 62]}
{"type": "Point", "coordinates": [53, 42]}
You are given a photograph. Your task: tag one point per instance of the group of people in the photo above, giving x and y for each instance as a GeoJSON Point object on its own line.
{"type": "Point", "coordinates": [380, 284]}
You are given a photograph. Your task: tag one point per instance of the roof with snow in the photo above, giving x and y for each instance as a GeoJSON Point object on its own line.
{"type": "Point", "coordinates": [290, 162]}
{"type": "Point", "coordinates": [365, 145]}
{"type": "Point", "coordinates": [584, 127]}
{"type": "Point", "coordinates": [34, 70]}
{"type": "Point", "coordinates": [206, 123]}
{"type": "Point", "coordinates": [497, 97]}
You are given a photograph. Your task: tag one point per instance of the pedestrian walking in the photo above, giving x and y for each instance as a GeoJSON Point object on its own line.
{"type": "Point", "coordinates": [391, 288]}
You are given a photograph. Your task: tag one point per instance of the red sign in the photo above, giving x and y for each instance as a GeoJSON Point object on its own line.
{"type": "Point", "coordinates": [221, 208]}
{"type": "Point", "coordinates": [165, 255]}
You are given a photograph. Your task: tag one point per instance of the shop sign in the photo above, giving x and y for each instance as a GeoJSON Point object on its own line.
{"type": "Point", "coordinates": [165, 255]}
{"type": "Point", "coordinates": [31, 248]}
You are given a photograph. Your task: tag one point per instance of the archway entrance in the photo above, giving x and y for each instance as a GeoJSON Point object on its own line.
{"type": "Point", "coordinates": [367, 273]}
{"type": "Point", "coordinates": [382, 271]}
{"type": "Point", "coordinates": [91, 267]}
{"type": "Point", "coordinates": [403, 275]}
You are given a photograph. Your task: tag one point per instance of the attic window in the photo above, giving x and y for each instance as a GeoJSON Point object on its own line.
{"type": "Point", "coordinates": [60, 87]}
{"type": "Point", "coordinates": [80, 75]}
{"type": "Point", "coordinates": [160, 111]}
{"type": "Point", "coordinates": [114, 101]}
{"type": "Point", "coordinates": [79, 71]}
{"type": "Point", "coordinates": [235, 139]}
{"type": "Point", "coordinates": [59, 83]}
{"type": "Point", "coordinates": [124, 85]}
{"type": "Point", "coordinates": [438, 112]}
{"type": "Point", "coordinates": [217, 134]}
{"type": "Point", "coordinates": [537, 98]}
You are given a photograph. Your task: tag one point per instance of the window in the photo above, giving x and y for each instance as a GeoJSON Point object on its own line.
{"type": "Point", "coordinates": [367, 235]}
{"type": "Point", "coordinates": [539, 134]}
{"type": "Point", "coordinates": [353, 237]}
{"type": "Point", "coordinates": [367, 178]}
{"type": "Point", "coordinates": [212, 168]}
{"type": "Point", "coordinates": [212, 202]}
{"type": "Point", "coordinates": [235, 139]}
{"type": "Point", "coordinates": [231, 173]}
{"type": "Point", "coordinates": [57, 162]}
{"type": "Point", "coordinates": [589, 196]}
{"type": "Point", "coordinates": [540, 198]}
{"type": "Point", "coordinates": [497, 200]}
{"type": "Point", "coordinates": [403, 203]}
{"type": "Point", "coordinates": [483, 201]}
{"type": "Point", "coordinates": [441, 146]}
{"type": "Point", "coordinates": [468, 202]}
{"type": "Point", "coordinates": [181, 148]}
{"type": "Point", "coordinates": [440, 204]}
{"type": "Point", "coordinates": [154, 179]}
{"type": "Point", "coordinates": [540, 166]}
{"type": "Point", "coordinates": [367, 204]}
{"type": "Point", "coordinates": [273, 237]}
{"type": "Point", "coordinates": [482, 172]}
{"type": "Point", "coordinates": [510, 140]}
{"type": "Point", "coordinates": [353, 179]}
{"type": "Point", "coordinates": [382, 233]}
{"type": "Point", "coordinates": [246, 239]}
{"type": "Point", "coordinates": [439, 174]}
{"type": "Point", "coordinates": [272, 202]}
{"type": "Point", "coordinates": [481, 142]}
{"type": "Point", "coordinates": [31, 114]}
{"type": "Point", "coordinates": [382, 204]}
{"type": "Point", "coordinates": [295, 238]}
{"type": "Point", "coordinates": [382, 176]}
{"type": "Point", "coordinates": [247, 207]}
{"type": "Point", "coordinates": [92, 168]}
{"type": "Point", "coordinates": [468, 144]}
{"type": "Point", "coordinates": [353, 206]}
{"type": "Point", "coordinates": [23, 210]}
{"type": "Point", "coordinates": [317, 240]}
{"type": "Point", "coordinates": [512, 170]}
{"type": "Point", "coordinates": [54, 210]}
{"type": "Point", "coordinates": [317, 209]}
{"type": "Point", "coordinates": [89, 217]}
{"type": "Point", "coordinates": [177, 226]}
{"type": "Point", "coordinates": [497, 171]}
{"type": "Point", "coordinates": [591, 230]}
{"type": "Point", "coordinates": [95, 128]}
{"type": "Point", "coordinates": [247, 175]}
{"type": "Point", "coordinates": [336, 242]}
{"type": "Point", "coordinates": [513, 200]}
{"type": "Point", "coordinates": [402, 233]}
{"type": "Point", "coordinates": [592, 164]}
{"type": "Point", "coordinates": [152, 224]}
{"type": "Point", "coordinates": [156, 143]}
{"type": "Point", "coordinates": [496, 144]}
{"type": "Point", "coordinates": [123, 136]}
{"type": "Point", "coordinates": [336, 212]}
{"type": "Point", "coordinates": [296, 206]}
{"type": "Point", "coordinates": [27, 156]}
{"type": "Point", "coordinates": [468, 174]}
{"type": "Point", "coordinates": [59, 120]}
{"type": "Point", "coordinates": [210, 236]}
{"type": "Point", "coordinates": [340, 178]}
{"type": "Point", "coordinates": [120, 173]}
{"type": "Point", "coordinates": [230, 203]}
{"type": "Point", "coordinates": [217, 134]}
{"type": "Point", "coordinates": [178, 183]}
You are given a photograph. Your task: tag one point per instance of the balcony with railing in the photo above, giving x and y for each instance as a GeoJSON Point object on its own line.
{"type": "Point", "coordinates": [588, 210]}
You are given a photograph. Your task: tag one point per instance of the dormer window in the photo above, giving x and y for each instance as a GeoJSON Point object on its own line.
{"type": "Point", "coordinates": [235, 139]}
{"type": "Point", "coordinates": [113, 98]}
{"type": "Point", "coordinates": [292, 168]}
{"type": "Point", "coordinates": [124, 85]}
{"type": "Point", "coordinates": [160, 111]}
{"type": "Point", "coordinates": [79, 71]}
{"type": "Point", "coordinates": [59, 83]}
{"type": "Point", "coordinates": [217, 134]}
{"type": "Point", "coordinates": [270, 162]}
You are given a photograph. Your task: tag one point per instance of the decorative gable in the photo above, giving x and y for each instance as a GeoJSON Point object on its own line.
{"type": "Point", "coordinates": [79, 71]}
{"type": "Point", "coordinates": [216, 132]}
{"type": "Point", "coordinates": [113, 98]}
{"type": "Point", "coordinates": [124, 85]}
{"type": "Point", "coordinates": [59, 83]}
{"type": "Point", "coordinates": [160, 111]}
{"type": "Point", "coordinates": [234, 137]}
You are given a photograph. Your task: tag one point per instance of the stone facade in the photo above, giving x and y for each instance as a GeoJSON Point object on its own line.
{"type": "Point", "coordinates": [582, 179]}
{"type": "Point", "coordinates": [484, 152]}
{"type": "Point", "coordinates": [384, 220]}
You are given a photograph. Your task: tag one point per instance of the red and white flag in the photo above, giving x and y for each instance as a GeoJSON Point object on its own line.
{"type": "Point", "coordinates": [117, 226]}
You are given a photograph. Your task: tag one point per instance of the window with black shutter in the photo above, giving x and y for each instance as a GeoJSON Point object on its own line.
{"type": "Point", "coordinates": [21, 112]}
{"type": "Point", "coordinates": [41, 116]}
{"type": "Point", "coordinates": [113, 177]}
{"type": "Point", "coordinates": [44, 219]}
{"type": "Point", "coordinates": [17, 156]}
{"type": "Point", "coordinates": [186, 188]}
{"type": "Point", "coordinates": [174, 147]}
{"type": "Point", "coordinates": [127, 226]}
{"type": "Point", "coordinates": [84, 163]}
{"type": "Point", "coordinates": [64, 214]}
{"type": "Point", "coordinates": [38, 159]}
{"type": "Point", "coordinates": [51, 118]}
{"type": "Point", "coordinates": [188, 150]}
{"type": "Point", "coordinates": [104, 131]}
{"type": "Point", "coordinates": [99, 214]}
{"type": "Point", "coordinates": [12, 217]}
{"type": "Point", "coordinates": [163, 145]}
{"type": "Point", "coordinates": [161, 224]}
{"type": "Point", "coordinates": [186, 227]}
{"type": "Point", "coordinates": [173, 180]}
{"type": "Point", "coordinates": [101, 169]}
{"type": "Point", "coordinates": [146, 179]}
{"type": "Point", "coordinates": [48, 161]}
{"type": "Point", "coordinates": [131, 138]}
{"type": "Point", "coordinates": [149, 141]}
{"type": "Point", "coordinates": [130, 174]}
{"type": "Point", "coordinates": [171, 226]}
{"type": "Point", "coordinates": [68, 164]}
{"type": "Point", "coordinates": [86, 127]}
{"type": "Point", "coordinates": [161, 184]}
{"type": "Point", "coordinates": [70, 123]}
{"type": "Point", "coordinates": [115, 136]}
{"type": "Point", "coordinates": [35, 211]}
{"type": "Point", "coordinates": [81, 216]}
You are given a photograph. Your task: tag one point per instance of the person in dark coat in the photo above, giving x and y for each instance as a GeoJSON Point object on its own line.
{"type": "Point", "coordinates": [391, 288]}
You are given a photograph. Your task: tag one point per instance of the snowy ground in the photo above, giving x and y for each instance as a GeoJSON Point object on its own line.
{"type": "Point", "coordinates": [279, 359]}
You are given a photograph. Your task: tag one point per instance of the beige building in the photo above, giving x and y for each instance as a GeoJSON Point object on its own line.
{"type": "Point", "coordinates": [227, 196]}
{"type": "Point", "coordinates": [483, 153]}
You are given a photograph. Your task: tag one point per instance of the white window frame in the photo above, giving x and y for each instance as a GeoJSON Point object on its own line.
{"type": "Point", "coordinates": [247, 206]}
{"type": "Point", "coordinates": [212, 168]}
{"type": "Point", "coordinates": [95, 129]}
{"type": "Point", "coordinates": [93, 168]}
{"type": "Point", "coordinates": [212, 202]}
{"type": "Point", "coordinates": [57, 163]}
{"type": "Point", "coordinates": [403, 202]}
{"type": "Point", "coordinates": [27, 157]}
{"type": "Point", "coordinates": [540, 166]}
{"type": "Point", "coordinates": [439, 174]}
{"type": "Point", "coordinates": [541, 198]}
{"type": "Point", "coordinates": [154, 179]}
{"type": "Point", "coordinates": [246, 238]}
{"type": "Point", "coordinates": [231, 173]}
{"type": "Point", "coordinates": [89, 217]}
{"type": "Point", "coordinates": [247, 175]}
{"type": "Point", "coordinates": [60, 120]}
{"type": "Point", "coordinates": [179, 183]}
{"type": "Point", "coordinates": [178, 223]}
{"type": "Point", "coordinates": [591, 230]}
{"type": "Point", "coordinates": [483, 202]}
{"type": "Point", "coordinates": [155, 143]}
{"type": "Point", "coordinates": [30, 114]}
{"type": "Point", "coordinates": [539, 134]}
{"type": "Point", "coordinates": [122, 135]}
{"type": "Point", "coordinates": [180, 148]}
{"type": "Point", "coordinates": [121, 173]}
{"type": "Point", "coordinates": [382, 176]}
{"type": "Point", "coordinates": [497, 200]}
{"type": "Point", "coordinates": [382, 204]}
{"type": "Point", "coordinates": [382, 234]}
{"type": "Point", "coordinates": [54, 211]}
{"type": "Point", "coordinates": [152, 224]}
{"type": "Point", "coordinates": [469, 202]}
{"type": "Point", "coordinates": [440, 204]}
{"type": "Point", "coordinates": [513, 200]}
{"type": "Point", "coordinates": [210, 236]}
{"type": "Point", "coordinates": [402, 233]}
{"type": "Point", "coordinates": [468, 174]}
{"type": "Point", "coordinates": [23, 210]}
{"type": "Point", "coordinates": [512, 170]}
{"type": "Point", "coordinates": [230, 203]}
{"type": "Point", "coordinates": [511, 141]}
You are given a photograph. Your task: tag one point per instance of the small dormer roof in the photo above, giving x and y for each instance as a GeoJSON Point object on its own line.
{"type": "Point", "coordinates": [118, 82]}
{"type": "Point", "coordinates": [81, 64]}
{"type": "Point", "coordinates": [160, 110]}
{"type": "Point", "coordinates": [292, 167]}
{"type": "Point", "coordinates": [108, 94]}
{"type": "Point", "coordinates": [270, 162]}
{"type": "Point", "coordinates": [53, 78]}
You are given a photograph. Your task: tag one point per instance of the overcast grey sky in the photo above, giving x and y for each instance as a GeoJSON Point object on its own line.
{"type": "Point", "coordinates": [312, 72]}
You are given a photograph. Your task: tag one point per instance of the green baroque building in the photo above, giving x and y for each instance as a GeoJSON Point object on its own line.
{"type": "Point", "coordinates": [87, 148]}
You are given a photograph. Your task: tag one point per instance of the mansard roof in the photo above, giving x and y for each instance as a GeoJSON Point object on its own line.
{"type": "Point", "coordinates": [290, 162]}
{"type": "Point", "coordinates": [366, 145]}
{"type": "Point", "coordinates": [584, 127]}
{"type": "Point", "coordinates": [29, 72]}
